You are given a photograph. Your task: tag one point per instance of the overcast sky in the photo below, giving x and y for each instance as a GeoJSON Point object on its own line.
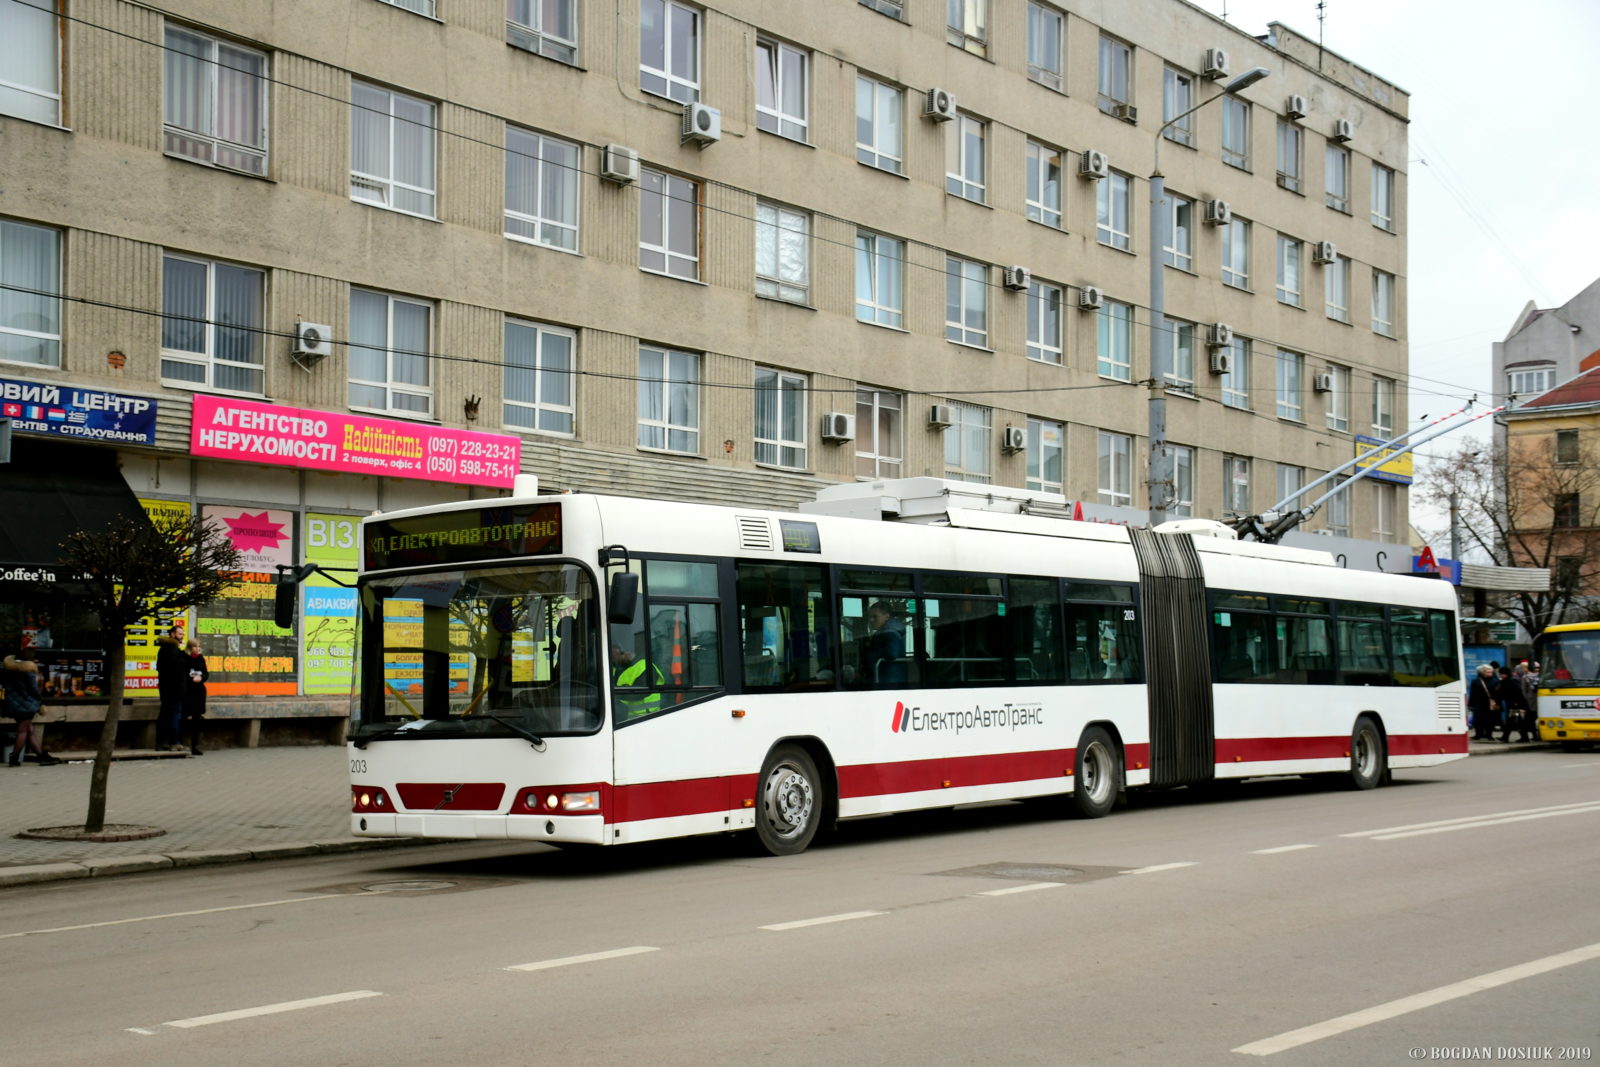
{"type": "Point", "coordinates": [1504, 171]}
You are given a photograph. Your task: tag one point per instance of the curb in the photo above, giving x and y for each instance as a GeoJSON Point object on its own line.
{"type": "Point", "coordinates": [1507, 748]}
{"type": "Point", "coordinates": [112, 865]}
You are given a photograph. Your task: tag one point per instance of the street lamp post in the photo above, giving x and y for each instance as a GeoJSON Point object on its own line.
{"type": "Point", "coordinates": [1158, 484]}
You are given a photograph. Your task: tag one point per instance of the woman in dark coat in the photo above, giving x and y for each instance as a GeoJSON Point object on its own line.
{"type": "Point", "coordinates": [21, 681]}
{"type": "Point", "coordinates": [194, 695]}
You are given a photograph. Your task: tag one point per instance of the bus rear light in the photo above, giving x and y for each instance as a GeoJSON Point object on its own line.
{"type": "Point", "coordinates": [369, 798]}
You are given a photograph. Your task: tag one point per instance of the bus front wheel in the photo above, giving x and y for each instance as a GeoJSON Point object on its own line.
{"type": "Point", "coordinates": [790, 802]}
{"type": "Point", "coordinates": [1369, 757]}
{"type": "Point", "coordinates": [1097, 774]}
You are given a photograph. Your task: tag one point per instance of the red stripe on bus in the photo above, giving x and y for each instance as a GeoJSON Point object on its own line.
{"type": "Point", "coordinates": [915, 776]}
{"type": "Point", "coordinates": [451, 796]}
{"type": "Point", "coordinates": [695, 796]}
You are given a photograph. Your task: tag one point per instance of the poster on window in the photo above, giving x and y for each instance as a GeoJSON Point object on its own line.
{"type": "Point", "coordinates": [249, 654]}
{"type": "Point", "coordinates": [139, 646]}
{"type": "Point", "coordinates": [328, 610]}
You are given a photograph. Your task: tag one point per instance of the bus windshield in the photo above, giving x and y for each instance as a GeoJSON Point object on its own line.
{"type": "Point", "coordinates": [1569, 658]}
{"type": "Point", "coordinates": [490, 652]}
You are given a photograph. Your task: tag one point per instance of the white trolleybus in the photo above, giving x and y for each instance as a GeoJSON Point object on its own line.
{"type": "Point", "coordinates": [603, 670]}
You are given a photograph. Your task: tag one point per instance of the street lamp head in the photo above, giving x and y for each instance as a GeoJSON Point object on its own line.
{"type": "Point", "coordinates": [1247, 79]}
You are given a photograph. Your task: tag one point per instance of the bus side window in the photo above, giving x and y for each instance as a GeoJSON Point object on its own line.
{"type": "Point", "coordinates": [1033, 612]}
{"type": "Point", "coordinates": [784, 626]}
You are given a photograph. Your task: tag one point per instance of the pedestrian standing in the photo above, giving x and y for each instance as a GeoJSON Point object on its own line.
{"type": "Point", "coordinates": [172, 679]}
{"type": "Point", "coordinates": [1483, 704]}
{"type": "Point", "coordinates": [194, 695]}
{"type": "Point", "coordinates": [1514, 707]}
{"type": "Point", "coordinates": [21, 683]}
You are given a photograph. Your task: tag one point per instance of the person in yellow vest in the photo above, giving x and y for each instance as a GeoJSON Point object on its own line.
{"type": "Point", "coordinates": [628, 671]}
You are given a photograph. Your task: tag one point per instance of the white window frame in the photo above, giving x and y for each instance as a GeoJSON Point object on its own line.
{"type": "Point", "coordinates": [662, 371]}
{"type": "Point", "coordinates": [1338, 409]}
{"type": "Point", "coordinates": [551, 376]}
{"type": "Point", "coordinates": [1236, 496]}
{"type": "Point", "coordinates": [667, 76]}
{"type": "Point", "coordinates": [383, 189]}
{"type": "Point", "coordinates": [1114, 469]}
{"type": "Point", "coordinates": [968, 444]}
{"type": "Point", "coordinates": [881, 100]}
{"type": "Point", "coordinates": [1044, 184]}
{"type": "Point", "coordinates": [1291, 155]}
{"type": "Point", "coordinates": [1337, 509]}
{"type": "Point", "coordinates": [416, 7]}
{"type": "Point", "coordinates": [673, 195]}
{"type": "Point", "coordinates": [966, 151]}
{"type": "Point", "coordinates": [966, 302]}
{"type": "Point", "coordinates": [30, 319]}
{"type": "Point", "coordinates": [1385, 500]}
{"type": "Point", "coordinates": [1383, 185]}
{"type": "Point", "coordinates": [967, 25]}
{"type": "Point", "coordinates": [1235, 142]}
{"type": "Point", "coordinates": [36, 33]}
{"type": "Point", "coordinates": [1291, 386]}
{"type": "Point", "coordinates": [772, 63]}
{"type": "Point", "coordinates": [787, 393]}
{"type": "Point", "coordinates": [1383, 408]}
{"type": "Point", "coordinates": [1291, 270]}
{"type": "Point", "coordinates": [1383, 302]}
{"type": "Point", "coordinates": [1525, 383]}
{"type": "Point", "coordinates": [880, 279]}
{"type": "Point", "coordinates": [1180, 373]}
{"type": "Point", "coordinates": [1235, 385]}
{"type": "Point", "coordinates": [1046, 37]}
{"type": "Point", "coordinates": [1182, 506]}
{"type": "Point", "coordinates": [1179, 250]}
{"type": "Point", "coordinates": [1046, 319]}
{"type": "Point", "coordinates": [1336, 178]}
{"type": "Point", "coordinates": [1291, 479]}
{"type": "Point", "coordinates": [1113, 211]}
{"type": "Point", "coordinates": [528, 28]}
{"type": "Point", "coordinates": [894, 9]}
{"type": "Point", "coordinates": [199, 141]}
{"type": "Point", "coordinates": [1177, 96]}
{"type": "Point", "coordinates": [1047, 456]}
{"type": "Point", "coordinates": [392, 384]}
{"type": "Point", "coordinates": [548, 160]}
{"type": "Point", "coordinates": [1236, 253]}
{"type": "Point", "coordinates": [1336, 288]}
{"type": "Point", "coordinates": [211, 324]}
{"type": "Point", "coordinates": [779, 227]}
{"type": "Point", "coordinates": [1115, 80]}
{"type": "Point", "coordinates": [1114, 341]}
{"type": "Point", "coordinates": [880, 433]}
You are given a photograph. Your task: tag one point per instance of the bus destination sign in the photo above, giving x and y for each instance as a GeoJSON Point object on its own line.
{"type": "Point", "coordinates": [463, 536]}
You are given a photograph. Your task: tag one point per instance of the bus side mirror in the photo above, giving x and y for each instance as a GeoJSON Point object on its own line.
{"type": "Point", "coordinates": [283, 604]}
{"type": "Point", "coordinates": [623, 600]}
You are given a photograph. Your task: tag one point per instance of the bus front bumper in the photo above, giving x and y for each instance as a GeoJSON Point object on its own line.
{"type": "Point", "coordinates": [574, 829]}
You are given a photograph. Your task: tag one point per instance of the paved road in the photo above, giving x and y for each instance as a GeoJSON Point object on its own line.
{"type": "Point", "coordinates": [1180, 931]}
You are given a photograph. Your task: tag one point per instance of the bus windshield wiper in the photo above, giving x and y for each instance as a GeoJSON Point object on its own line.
{"type": "Point", "coordinates": [383, 735]}
{"type": "Point", "coordinates": [517, 728]}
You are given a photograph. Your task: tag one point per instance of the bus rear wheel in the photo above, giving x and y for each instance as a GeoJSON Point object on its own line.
{"type": "Point", "coordinates": [1097, 774]}
{"type": "Point", "coordinates": [790, 805]}
{"type": "Point", "coordinates": [1369, 757]}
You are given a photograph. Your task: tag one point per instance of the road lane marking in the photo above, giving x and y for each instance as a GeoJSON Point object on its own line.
{"type": "Point", "coordinates": [1158, 867]}
{"type": "Point", "coordinates": [1554, 809]}
{"type": "Point", "coordinates": [265, 1009]}
{"type": "Point", "coordinates": [1280, 848]}
{"type": "Point", "coordinates": [1029, 888]}
{"type": "Point", "coordinates": [588, 957]}
{"type": "Point", "coordinates": [846, 917]}
{"type": "Point", "coordinates": [1418, 1001]}
{"type": "Point", "coordinates": [1483, 822]}
{"type": "Point", "coordinates": [172, 915]}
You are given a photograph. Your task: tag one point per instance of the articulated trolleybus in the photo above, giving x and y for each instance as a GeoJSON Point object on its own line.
{"type": "Point", "coordinates": [601, 670]}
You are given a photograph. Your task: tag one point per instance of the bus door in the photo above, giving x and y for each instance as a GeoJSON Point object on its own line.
{"type": "Point", "coordinates": [1172, 595]}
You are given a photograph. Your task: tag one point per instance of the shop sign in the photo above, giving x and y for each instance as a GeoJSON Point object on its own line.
{"type": "Point", "coordinates": [78, 414]}
{"type": "Point", "coordinates": [248, 654]}
{"type": "Point", "coordinates": [1385, 466]}
{"type": "Point", "coordinates": [139, 643]}
{"type": "Point", "coordinates": [328, 610]}
{"type": "Point", "coordinates": [351, 444]}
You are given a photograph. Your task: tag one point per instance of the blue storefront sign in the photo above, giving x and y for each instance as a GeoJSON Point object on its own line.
{"type": "Point", "coordinates": [77, 414]}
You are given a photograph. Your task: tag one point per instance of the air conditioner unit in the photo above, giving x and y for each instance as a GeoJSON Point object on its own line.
{"type": "Point", "coordinates": [941, 415]}
{"type": "Point", "coordinates": [837, 426]}
{"type": "Point", "coordinates": [1222, 362]}
{"type": "Point", "coordinates": [619, 163]}
{"type": "Point", "coordinates": [1323, 383]}
{"type": "Point", "coordinates": [312, 340]}
{"type": "Point", "coordinates": [1215, 65]}
{"type": "Point", "coordinates": [1219, 335]}
{"type": "Point", "coordinates": [1128, 113]}
{"type": "Point", "coordinates": [939, 105]}
{"type": "Point", "coordinates": [701, 124]}
{"type": "Point", "coordinates": [1342, 130]}
{"type": "Point", "coordinates": [1017, 278]}
{"type": "Point", "coordinates": [1090, 298]}
{"type": "Point", "coordinates": [1324, 252]}
{"type": "Point", "coordinates": [1218, 213]}
{"type": "Point", "coordinates": [1014, 439]}
{"type": "Point", "coordinates": [1295, 106]}
{"type": "Point", "coordinates": [1093, 164]}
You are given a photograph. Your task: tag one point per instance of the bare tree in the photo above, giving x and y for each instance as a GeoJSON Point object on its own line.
{"type": "Point", "coordinates": [134, 568]}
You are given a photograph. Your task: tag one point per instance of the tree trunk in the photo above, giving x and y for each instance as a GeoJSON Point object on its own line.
{"type": "Point", "coordinates": [116, 664]}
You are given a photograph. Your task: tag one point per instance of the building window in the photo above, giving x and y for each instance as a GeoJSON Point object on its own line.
{"type": "Point", "coordinates": [1383, 303]}
{"type": "Point", "coordinates": [1291, 370]}
{"type": "Point", "coordinates": [392, 150]}
{"type": "Point", "coordinates": [892, 8]}
{"type": "Point", "coordinates": [1236, 132]}
{"type": "Point", "coordinates": [1044, 323]}
{"type": "Point", "coordinates": [1527, 383]}
{"type": "Point", "coordinates": [1384, 498]}
{"type": "Point", "coordinates": [780, 418]}
{"type": "Point", "coordinates": [1114, 336]}
{"type": "Point", "coordinates": [1568, 574]}
{"type": "Point", "coordinates": [782, 72]}
{"type": "Point", "coordinates": [1337, 174]}
{"type": "Point", "coordinates": [669, 224]}
{"type": "Point", "coordinates": [1182, 506]}
{"type": "Point", "coordinates": [1044, 44]}
{"type": "Point", "coordinates": [669, 50]}
{"type": "Point", "coordinates": [783, 253]}
{"type": "Point", "coordinates": [1290, 479]}
{"type": "Point", "coordinates": [1113, 222]}
{"type": "Point", "coordinates": [544, 27]}
{"type": "Point", "coordinates": [966, 302]}
{"type": "Point", "coordinates": [880, 279]}
{"type": "Point", "coordinates": [420, 7]}
{"type": "Point", "coordinates": [1336, 288]}
{"type": "Point", "coordinates": [390, 369]}
{"type": "Point", "coordinates": [542, 189]}
{"type": "Point", "coordinates": [538, 377]}
{"type": "Point", "coordinates": [1047, 444]}
{"type": "Point", "coordinates": [1290, 256]}
{"type": "Point", "coordinates": [212, 316]}
{"type": "Point", "coordinates": [1177, 96]}
{"type": "Point", "coordinates": [1044, 184]}
{"type": "Point", "coordinates": [1236, 382]}
{"type": "Point", "coordinates": [1236, 253]}
{"type": "Point", "coordinates": [1180, 375]}
{"type": "Point", "coordinates": [1338, 510]}
{"type": "Point", "coordinates": [30, 60]}
{"type": "Point", "coordinates": [966, 444]}
{"type": "Point", "coordinates": [1115, 469]}
{"type": "Point", "coordinates": [968, 25]}
{"type": "Point", "coordinates": [1291, 142]}
{"type": "Point", "coordinates": [1382, 197]}
{"type": "Point", "coordinates": [1338, 413]}
{"type": "Point", "coordinates": [215, 109]}
{"type": "Point", "coordinates": [879, 433]}
{"type": "Point", "coordinates": [1566, 447]}
{"type": "Point", "coordinates": [1567, 510]}
{"type": "Point", "coordinates": [1179, 249]}
{"type": "Point", "coordinates": [669, 400]}
{"type": "Point", "coordinates": [1383, 407]}
{"type": "Point", "coordinates": [964, 159]}
{"type": "Point", "coordinates": [1116, 74]}
{"type": "Point", "coordinates": [878, 126]}
{"type": "Point", "coordinates": [30, 305]}
{"type": "Point", "coordinates": [1235, 485]}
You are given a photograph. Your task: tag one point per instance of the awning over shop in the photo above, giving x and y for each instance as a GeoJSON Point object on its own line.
{"type": "Point", "coordinates": [51, 490]}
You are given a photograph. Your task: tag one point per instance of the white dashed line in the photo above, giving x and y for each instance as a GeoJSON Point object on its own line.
{"type": "Point", "coordinates": [592, 957]}
{"type": "Point", "coordinates": [1280, 848]}
{"type": "Point", "coordinates": [846, 917]}
{"type": "Point", "coordinates": [173, 915]}
{"type": "Point", "coordinates": [1474, 822]}
{"type": "Point", "coordinates": [1029, 888]}
{"type": "Point", "coordinates": [1158, 867]}
{"type": "Point", "coordinates": [265, 1009]}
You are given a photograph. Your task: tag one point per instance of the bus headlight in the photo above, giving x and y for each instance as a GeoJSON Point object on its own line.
{"type": "Point", "coordinates": [585, 801]}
